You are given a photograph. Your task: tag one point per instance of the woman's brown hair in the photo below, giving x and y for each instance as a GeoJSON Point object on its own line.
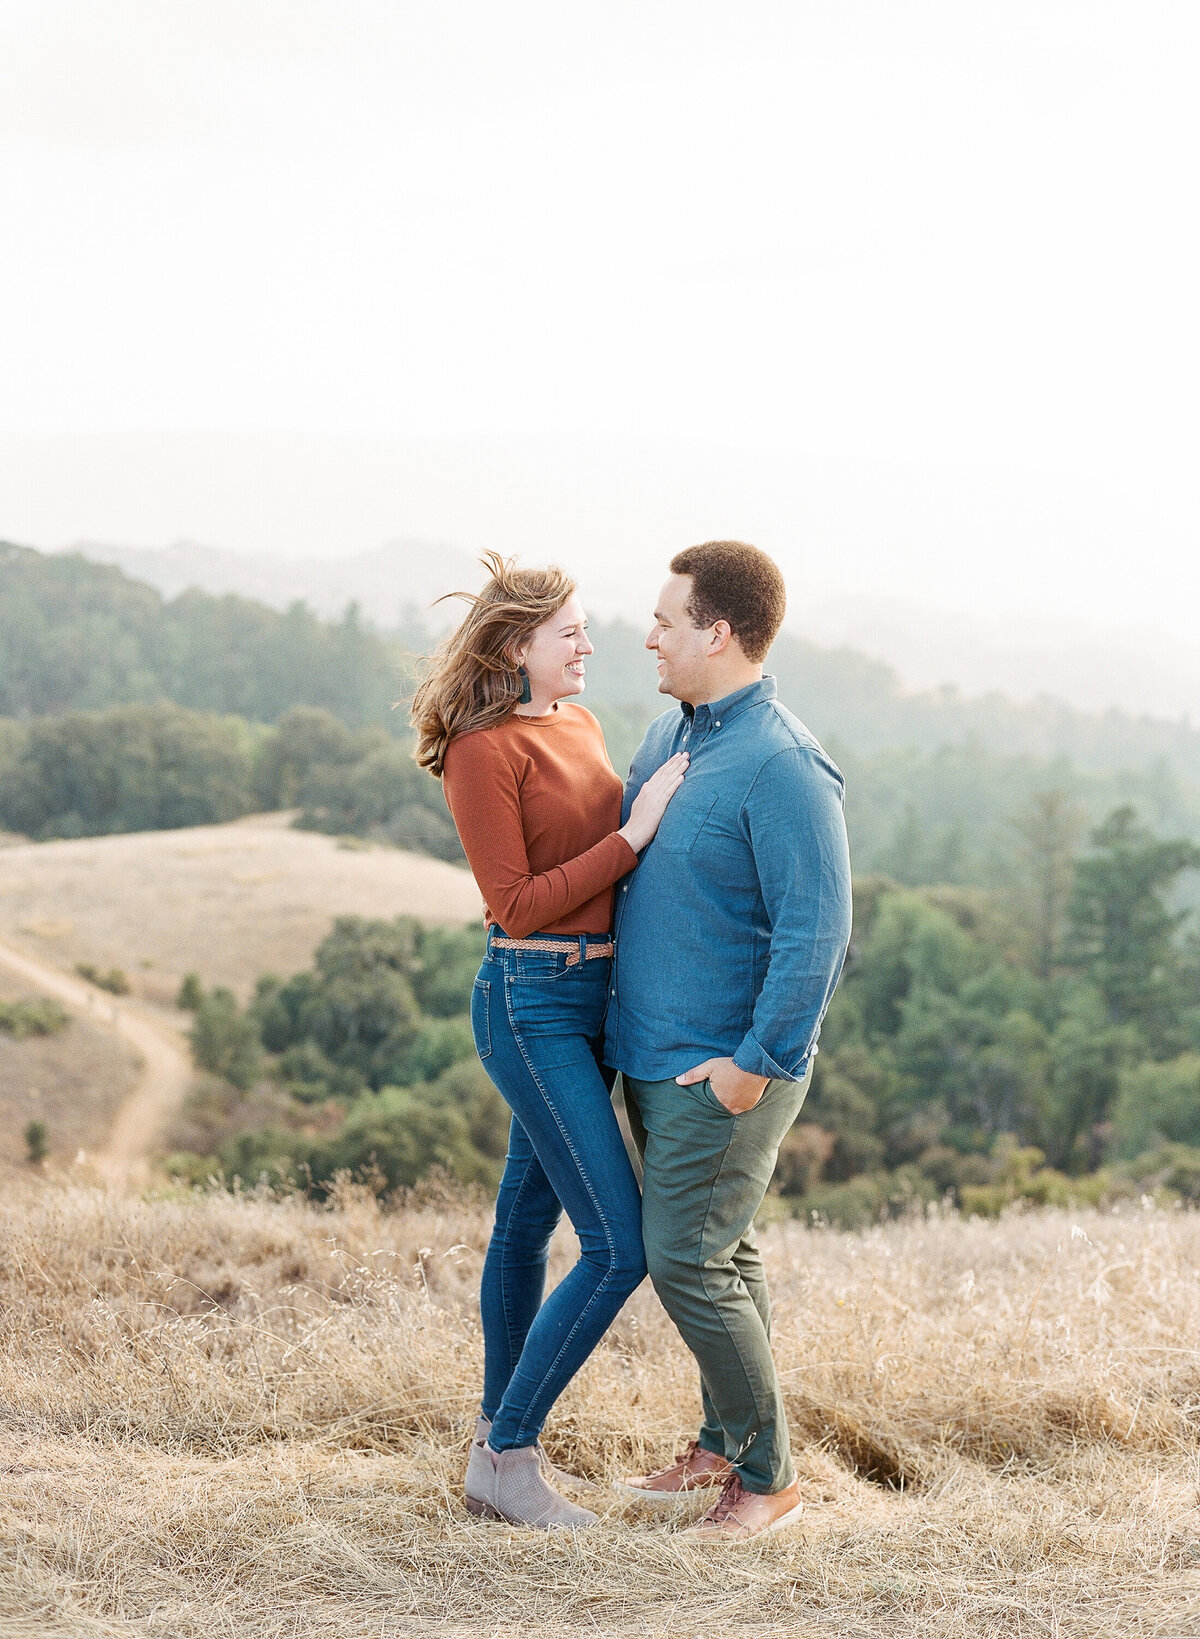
{"type": "Point", "coordinates": [472, 680]}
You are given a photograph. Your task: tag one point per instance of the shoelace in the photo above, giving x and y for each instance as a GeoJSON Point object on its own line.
{"type": "Point", "coordinates": [680, 1462]}
{"type": "Point", "coordinates": [732, 1493]}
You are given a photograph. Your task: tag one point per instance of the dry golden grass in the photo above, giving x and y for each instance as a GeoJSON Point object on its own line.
{"type": "Point", "coordinates": [229, 901]}
{"type": "Point", "coordinates": [249, 1417]}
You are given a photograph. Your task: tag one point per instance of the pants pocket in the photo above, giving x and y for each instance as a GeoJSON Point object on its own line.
{"type": "Point", "coordinates": [703, 1090]}
{"type": "Point", "coordinates": [481, 1017]}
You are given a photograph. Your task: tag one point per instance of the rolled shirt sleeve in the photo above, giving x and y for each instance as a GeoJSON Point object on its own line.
{"type": "Point", "coordinates": [796, 825]}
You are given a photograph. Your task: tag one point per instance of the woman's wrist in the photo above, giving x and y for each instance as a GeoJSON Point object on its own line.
{"type": "Point", "coordinates": [630, 834]}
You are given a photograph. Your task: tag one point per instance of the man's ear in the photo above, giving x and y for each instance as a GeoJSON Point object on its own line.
{"type": "Point", "coordinates": [722, 636]}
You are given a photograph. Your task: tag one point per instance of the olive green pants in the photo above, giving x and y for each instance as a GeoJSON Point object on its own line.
{"type": "Point", "coordinates": [705, 1173]}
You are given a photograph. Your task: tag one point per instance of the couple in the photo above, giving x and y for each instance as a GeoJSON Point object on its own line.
{"type": "Point", "coordinates": [726, 858]}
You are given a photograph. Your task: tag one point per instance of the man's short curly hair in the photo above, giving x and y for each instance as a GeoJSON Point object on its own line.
{"type": "Point", "coordinates": [738, 583]}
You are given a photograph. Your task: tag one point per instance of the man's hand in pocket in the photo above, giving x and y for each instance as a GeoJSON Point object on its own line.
{"type": "Point", "coordinates": [736, 1089]}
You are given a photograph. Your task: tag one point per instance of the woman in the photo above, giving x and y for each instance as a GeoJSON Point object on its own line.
{"type": "Point", "coordinates": [538, 808]}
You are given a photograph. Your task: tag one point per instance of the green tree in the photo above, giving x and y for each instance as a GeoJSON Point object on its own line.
{"type": "Point", "coordinates": [356, 1005]}
{"type": "Point", "coordinates": [76, 635]}
{"type": "Point", "coordinates": [225, 1041]}
{"type": "Point", "coordinates": [384, 796]}
{"type": "Point", "coordinates": [129, 768]}
{"type": "Point", "coordinates": [447, 961]}
{"type": "Point", "coordinates": [1086, 1053]}
{"type": "Point", "coordinates": [305, 738]}
{"type": "Point", "coordinates": [466, 1086]}
{"type": "Point", "coordinates": [1050, 828]}
{"type": "Point", "coordinates": [1122, 933]}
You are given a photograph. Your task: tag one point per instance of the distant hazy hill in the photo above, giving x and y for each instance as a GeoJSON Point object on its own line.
{"type": "Point", "coordinates": [389, 583]}
{"type": "Point", "coordinates": [933, 777]}
{"type": "Point", "coordinates": [79, 635]}
{"type": "Point", "coordinates": [927, 648]}
{"type": "Point", "coordinates": [1137, 668]}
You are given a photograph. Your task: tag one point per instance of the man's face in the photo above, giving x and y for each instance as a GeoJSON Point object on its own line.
{"type": "Point", "coordinates": [682, 649]}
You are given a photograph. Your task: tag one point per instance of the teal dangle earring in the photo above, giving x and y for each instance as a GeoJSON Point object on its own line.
{"type": "Point", "coordinates": [526, 692]}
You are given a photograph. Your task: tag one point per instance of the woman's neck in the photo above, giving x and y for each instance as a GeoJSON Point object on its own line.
{"type": "Point", "coordinates": [537, 708]}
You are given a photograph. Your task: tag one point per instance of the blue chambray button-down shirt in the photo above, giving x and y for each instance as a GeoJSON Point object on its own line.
{"type": "Point", "coordinates": [732, 931]}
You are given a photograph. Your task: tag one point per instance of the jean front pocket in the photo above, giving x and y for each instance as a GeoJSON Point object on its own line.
{"type": "Point", "coordinates": [481, 1016]}
{"type": "Point", "coordinates": [569, 1002]}
{"type": "Point", "coordinates": [538, 966]}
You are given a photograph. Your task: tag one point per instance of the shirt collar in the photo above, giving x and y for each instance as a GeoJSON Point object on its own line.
{"type": "Point", "coordinates": [716, 712]}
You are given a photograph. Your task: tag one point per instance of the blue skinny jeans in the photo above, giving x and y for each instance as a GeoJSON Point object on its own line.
{"type": "Point", "coordinates": [538, 1026]}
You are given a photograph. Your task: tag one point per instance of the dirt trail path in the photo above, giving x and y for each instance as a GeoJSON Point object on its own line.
{"type": "Point", "coordinates": [166, 1063]}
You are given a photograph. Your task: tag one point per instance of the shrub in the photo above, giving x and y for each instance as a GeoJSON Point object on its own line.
{"type": "Point", "coordinates": [37, 1143]}
{"type": "Point", "coordinates": [868, 1199]}
{"type": "Point", "coordinates": [225, 1040]}
{"type": "Point", "coordinates": [116, 980]}
{"type": "Point", "coordinates": [802, 1157]}
{"type": "Point", "coordinates": [40, 1017]}
{"type": "Point", "coordinates": [397, 1136]}
{"type": "Point", "coordinates": [466, 1086]}
{"type": "Point", "coordinates": [384, 796]}
{"type": "Point", "coordinates": [1158, 1102]}
{"type": "Point", "coordinates": [1174, 1168]}
{"type": "Point", "coordinates": [437, 1045]}
{"type": "Point", "coordinates": [447, 961]}
{"type": "Point", "coordinates": [191, 993]}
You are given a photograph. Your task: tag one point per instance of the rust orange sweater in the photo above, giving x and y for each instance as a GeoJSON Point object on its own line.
{"type": "Point", "coordinates": [538, 805]}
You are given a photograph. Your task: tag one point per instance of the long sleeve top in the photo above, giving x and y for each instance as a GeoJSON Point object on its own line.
{"type": "Point", "coordinates": [537, 805]}
{"type": "Point", "coordinates": [732, 933]}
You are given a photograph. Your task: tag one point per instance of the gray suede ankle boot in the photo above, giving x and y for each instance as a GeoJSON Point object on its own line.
{"type": "Point", "coordinates": [512, 1486]}
{"type": "Point", "coordinates": [554, 1475]}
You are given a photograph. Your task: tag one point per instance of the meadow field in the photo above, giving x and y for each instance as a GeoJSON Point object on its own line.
{"type": "Point", "coordinates": [248, 1416]}
{"type": "Point", "coordinates": [228, 901]}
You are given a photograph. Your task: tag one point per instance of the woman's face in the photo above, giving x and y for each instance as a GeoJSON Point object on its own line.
{"type": "Point", "coordinates": [554, 656]}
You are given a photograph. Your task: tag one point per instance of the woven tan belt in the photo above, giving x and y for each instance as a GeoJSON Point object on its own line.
{"type": "Point", "coordinates": [560, 947]}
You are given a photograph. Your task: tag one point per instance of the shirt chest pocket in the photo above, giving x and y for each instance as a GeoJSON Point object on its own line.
{"type": "Point", "coordinates": [686, 816]}
{"type": "Point", "coordinates": [709, 832]}
{"type": "Point", "coordinates": [721, 851]}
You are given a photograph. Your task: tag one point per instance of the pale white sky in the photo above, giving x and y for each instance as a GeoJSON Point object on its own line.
{"type": "Point", "coordinates": [906, 290]}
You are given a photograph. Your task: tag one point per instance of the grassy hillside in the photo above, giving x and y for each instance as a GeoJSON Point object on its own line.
{"type": "Point", "coordinates": [73, 1080]}
{"type": "Point", "coordinates": [227, 901]}
{"type": "Point", "coordinates": [240, 1416]}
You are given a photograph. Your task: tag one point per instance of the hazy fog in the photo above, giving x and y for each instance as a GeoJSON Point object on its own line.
{"type": "Point", "coordinates": [903, 292]}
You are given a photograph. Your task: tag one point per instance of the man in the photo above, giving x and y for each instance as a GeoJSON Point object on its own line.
{"type": "Point", "coordinates": [731, 936]}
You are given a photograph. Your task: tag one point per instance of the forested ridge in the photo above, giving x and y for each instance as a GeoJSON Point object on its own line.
{"type": "Point", "coordinates": [240, 707]}
{"type": "Point", "coordinates": [80, 636]}
{"type": "Point", "coordinates": [1020, 1014]}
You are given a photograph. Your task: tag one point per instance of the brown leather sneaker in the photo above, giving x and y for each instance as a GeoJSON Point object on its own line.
{"type": "Point", "coordinates": [694, 1471]}
{"type": "Point", "coordinates": [738, 1513]}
